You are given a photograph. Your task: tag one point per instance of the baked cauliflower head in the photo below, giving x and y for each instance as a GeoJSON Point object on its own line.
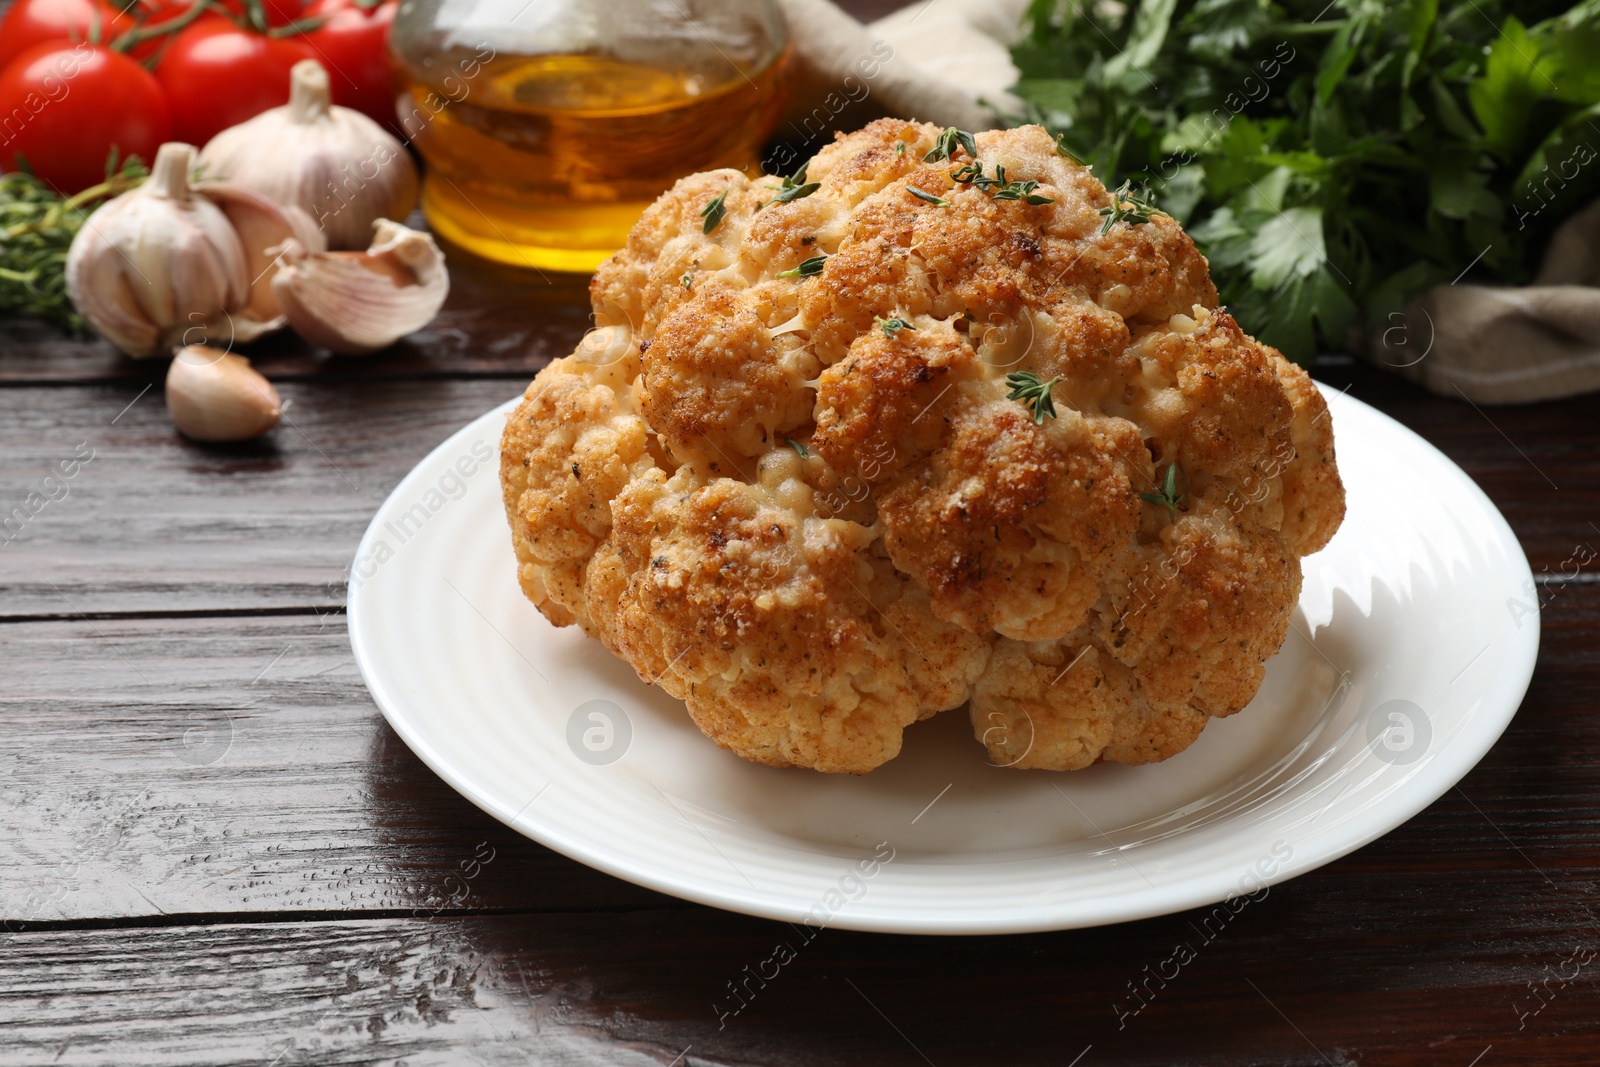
{"type": "Point", "coordinates": [940, 422]}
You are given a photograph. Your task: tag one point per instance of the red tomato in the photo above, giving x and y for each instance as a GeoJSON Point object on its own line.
{"type": "Point", "coordinates": [65, 106]}
{"type": "Point", "coordinates": [353, 43]}
{"type": "Point", "coordinates": [33, 22]}
{"type": "Point", "coordinates": [217, 75]}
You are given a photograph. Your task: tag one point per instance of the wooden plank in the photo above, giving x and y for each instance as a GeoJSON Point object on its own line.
{"type": "Point", "coordinates": [234, 765]}
{"type": "Point", "coordinates": [1420, 973]}
{"type": "Point", "coordinates": [153, 522]}
{"type": "Point", "coordinates": [231, 765]}
{"type": "Point", "coordinates": [1539, 463]}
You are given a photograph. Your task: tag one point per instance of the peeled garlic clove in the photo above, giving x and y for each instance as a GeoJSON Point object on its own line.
{"type": "Point", "coordinates": [158, 263]}
{"type": "Point", "coordinates": [359, 302]}
{"type": "Point", "coordinates": [344, 170]}
{"type": "Point", "coordinates": [217, 396]}
{"type": "Point", "coordinates": [263, 226]}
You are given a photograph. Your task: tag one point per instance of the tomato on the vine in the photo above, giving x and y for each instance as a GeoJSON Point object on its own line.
{"type": "Point", "coordinates": [154, 11]}
{"type": "Point", "coordinates": [353, 43]}
{"type": "Point", "coordinates": [275, 12]}
{"type": "Point", "coordinates": [218, 75]}
{"type": "Point", "coordinates": [68, 105]}
{"type": "Point", "coordinates": [29, 23]}
{"type": "Point", "coordinates": [154, 23]}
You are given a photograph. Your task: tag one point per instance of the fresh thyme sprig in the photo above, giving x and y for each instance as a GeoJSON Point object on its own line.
{"type": "Point", "coordinates": [950, 140]}
{"type": "Point", "coordinates": [808, 269]}
{"type": "Point", "coordinates": [1034, 394]}
{"type": "Point", "coordinates": [36, 230]}
{"type": "Point", "coordinates": [969, 174]}
{"type": "Point", "coordinates": [795, 186]}
{"type": "Point", "coordinates": [799, 449]}
{"type": "Point", "coordinates": [1169, 497]}
{"type": "Point", "coordinates": [1128, 206]}
{"type": "Point", "coordinates": [1066, 153]}
{"type": "Point", "coordinates": [796, 192]}
{"type": "Point", "coordinates": [999, 187]}
{"type": "Point", "coordinates": [1023, 191]}
{"type": "Point", "coordinates": [714, 212]}
{"type": "Point", "coordinates": [922, 194]}
{"type": "Point", "coordinates": [890, 327]}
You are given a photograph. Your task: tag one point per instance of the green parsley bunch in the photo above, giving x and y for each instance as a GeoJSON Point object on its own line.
{"type": "Point", "coordinates": [1332, 159]}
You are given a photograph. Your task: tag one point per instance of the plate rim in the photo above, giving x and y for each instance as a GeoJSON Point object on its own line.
{"type": "Point", "coordinates": [1418, 792]}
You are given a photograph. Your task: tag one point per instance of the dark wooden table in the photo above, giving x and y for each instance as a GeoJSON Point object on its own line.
{"type": "Point", "coordinates": [217, 852]}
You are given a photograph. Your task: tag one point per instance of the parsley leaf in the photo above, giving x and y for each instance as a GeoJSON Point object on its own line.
{"type": "Point", "coordinates": [1331, 163]}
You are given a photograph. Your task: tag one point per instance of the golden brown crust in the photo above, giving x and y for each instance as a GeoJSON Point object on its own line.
{"type": "Point", "coordinates": [817, 530]}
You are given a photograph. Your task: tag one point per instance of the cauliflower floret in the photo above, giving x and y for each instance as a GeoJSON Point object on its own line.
{"type": "Point", "coordinates": [813, 505]}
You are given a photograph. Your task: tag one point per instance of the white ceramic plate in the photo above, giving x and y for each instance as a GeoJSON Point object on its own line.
{"type": "Point", "coordinates": [1411, 648]}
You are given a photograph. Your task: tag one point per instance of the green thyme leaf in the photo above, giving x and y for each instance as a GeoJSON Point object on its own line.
{"type": "Point", "coordinates": [899, 148]}
{"type": "Point", "coordinates": [890, 327]}
{"type": "Point", "coordinates": [1128, 206]}
{"type": "Point", "coordinates": [1022, 191]}
{"type": "Point", "coordinates": [799, 449]}
{"type": "Point", "coordinates": [1169, 497]}
{"type": "Point", "coordinates": [808, 269]}
{"type": "Point", "coordinates": [968, 174]}
{"type": "Point", "coordinates": [796, 192]}
{"type": "Point", "coordinates": [1066, 153]}
{"type": "Point", "coordinates": [999, 187]}
{"type": "Point", "coordinates": [1034, 394]}
{"type": "Point", "coordinates": [714, 212]}
{"type": "Point", "coordinates": [929, 197]}
{"type": "Point", "coordinates": [688, 279]}
{"type": "Point", "coordinates": [950, 140]}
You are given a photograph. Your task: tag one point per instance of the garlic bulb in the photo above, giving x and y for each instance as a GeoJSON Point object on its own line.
{"type": "Point", "coordinates": [336, 164]}
{"type": "Point", "coordinates": [359, 302]}
{"type": "Point", "coordinates": [168, 264]}
{"type": "Point", "coordinates": [217, 396]}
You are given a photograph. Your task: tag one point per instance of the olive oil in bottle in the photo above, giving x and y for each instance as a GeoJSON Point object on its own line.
{"type": "Point", "coordinates": [547, 160]}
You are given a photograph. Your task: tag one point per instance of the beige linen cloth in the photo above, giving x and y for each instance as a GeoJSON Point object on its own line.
{"type": "Point", "coordinates": [932, 60]}
{"type": "Point", "coordinates": [936, 60]}
{"type": "Point", "coordinates": [1502, 345]}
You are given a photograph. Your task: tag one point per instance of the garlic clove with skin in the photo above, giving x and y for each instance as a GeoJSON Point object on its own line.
{"type": "Point", "coordinates": [217, 396]}
{"type": "Point", "coordinates": [358, 302]}
{"type": "Point", "coordinates": [169, 263]}
{"type": "Point", "coordinates": [261, 223]}
{"type": "Point", "coordinates": [344, 170]}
